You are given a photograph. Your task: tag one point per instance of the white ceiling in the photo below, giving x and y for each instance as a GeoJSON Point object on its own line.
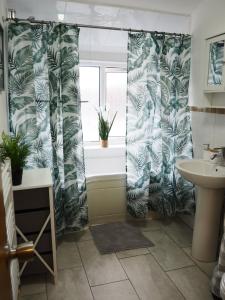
{"type": "Point", "coordinates": [30, 7]}
{"type": "Point", "coordinates": [100, 14]}
{"type": "Point", "coordinates": [107, 45]}
{"type": "Point", "coordinates": [184, 7]}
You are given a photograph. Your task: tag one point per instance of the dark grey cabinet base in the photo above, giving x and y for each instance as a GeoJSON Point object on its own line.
{"type": "Point", "coordinates": [34, 217]}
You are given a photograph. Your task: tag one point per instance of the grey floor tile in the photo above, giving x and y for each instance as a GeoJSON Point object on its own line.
{"type": "Point", "coordinates": [192, 283]}
{"type": "Point", "coordinates": [34, 297]}
{"type": "Point", "coordinates": [68, 255]}
{"type": "Point", "coordinates": [178, 231]}
{"type": "Point", "coordinates": [148, 279]}
{"type": "Point", "coordinates": [72, 284]}
{"type": "Point", "coordinates": [146, 224]}
{"type": "Point", "coordinates": [100, 269]}
{"type": "Point", "coordinates": [166, 252]}
{"type": "Point", "coordinates": [79, 236]}
{"type": "Point", "coordinates": [204, 266]}
{"type": "Point", "coordinates": [35, 284]}
{"type": "Point", "coordinates": [113, 291]}
{"type": "Point", "coordinates": [133, 252]}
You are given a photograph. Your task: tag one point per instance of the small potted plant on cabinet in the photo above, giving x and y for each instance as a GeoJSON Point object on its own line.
{"type": "Point", "coordinates": [15, 148]}
{"type": "Point", "coordinates": [104, 125]}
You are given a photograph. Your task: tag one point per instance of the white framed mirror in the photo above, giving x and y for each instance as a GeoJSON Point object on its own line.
{"type": "Point", "coordinates": [215, 64]}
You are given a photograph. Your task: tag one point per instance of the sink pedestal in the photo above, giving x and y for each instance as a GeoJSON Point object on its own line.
{"type": "Point", "coordinates": [207, 223]}
{"type": "Point", "coordinates": [210, 181]}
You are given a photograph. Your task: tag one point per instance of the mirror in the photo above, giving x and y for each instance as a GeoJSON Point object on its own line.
{"type": "Point", "coordinates": [215, 64]}
{"type": "Point", "coordinates": [216, 58]}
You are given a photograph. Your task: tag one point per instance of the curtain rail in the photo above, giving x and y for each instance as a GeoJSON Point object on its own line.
{"type": "Point", "coordinates": [214, 36]}
{"type": "Point", "coordinates": [99, 27]}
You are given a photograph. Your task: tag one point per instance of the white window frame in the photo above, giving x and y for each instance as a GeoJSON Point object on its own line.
{"type": "Point", "coordinates": [103, 66]}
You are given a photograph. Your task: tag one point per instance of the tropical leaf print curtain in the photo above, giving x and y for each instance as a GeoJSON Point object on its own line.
{"type": "Point", "coordinates": [158, 124]}
{"type": "Point", "coordinates": [44, 104]}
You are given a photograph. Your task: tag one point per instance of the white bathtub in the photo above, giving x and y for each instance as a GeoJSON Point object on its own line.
{"type": "Point", "coordinates": [106, 186]}
{"type": "Point", "coordinates": [106, 195]}
{"type": "Point", "coordinates": [100, 161]}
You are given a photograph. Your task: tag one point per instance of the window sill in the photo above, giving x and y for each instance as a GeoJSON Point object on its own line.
{"type": "Point", "coordinates": [93, 151]}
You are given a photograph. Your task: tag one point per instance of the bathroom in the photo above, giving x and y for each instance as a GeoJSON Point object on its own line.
{"type": "Point", "coordinates": [99, 222]}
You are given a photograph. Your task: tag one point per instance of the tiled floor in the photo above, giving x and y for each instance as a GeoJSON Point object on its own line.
{"type": "Point", "coordinates": [165, 271]}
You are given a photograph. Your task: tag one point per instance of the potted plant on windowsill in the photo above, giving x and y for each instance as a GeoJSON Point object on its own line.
{"type": "Point", "coordinates": [15, 148]}
{"type": "Point", "coordinates": [104, 125]}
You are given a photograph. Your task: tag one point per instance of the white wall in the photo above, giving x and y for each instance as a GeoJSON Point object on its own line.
{"type": "Point", "coordinates": [3, 103]}
{"type": "Point", "coordinates": [206, 21]}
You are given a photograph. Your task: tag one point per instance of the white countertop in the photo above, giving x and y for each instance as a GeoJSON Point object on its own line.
{"type": "Point", "coordinates": [35, 178]}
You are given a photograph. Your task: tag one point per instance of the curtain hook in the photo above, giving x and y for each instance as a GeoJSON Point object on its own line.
{"type": "Point", "coordinates": [182, 39]}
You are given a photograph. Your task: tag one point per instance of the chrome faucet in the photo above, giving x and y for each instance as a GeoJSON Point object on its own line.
{"type": "Point", "coordinates": [220, 153]}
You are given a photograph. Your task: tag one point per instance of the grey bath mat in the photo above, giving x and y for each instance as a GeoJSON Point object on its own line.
{"type": "Point", "coordinates": [114, 237]}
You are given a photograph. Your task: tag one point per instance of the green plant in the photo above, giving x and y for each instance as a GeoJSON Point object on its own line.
{"type": "Point", "coordinates": [15, 148]}
{"type": "Point", "coordinates": [104, 124]}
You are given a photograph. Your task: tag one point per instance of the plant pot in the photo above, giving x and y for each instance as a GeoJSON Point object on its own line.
{"type": "Point", "coordinates": [17, 175]}
{"type": "Point", "coordinates": [104, 143]}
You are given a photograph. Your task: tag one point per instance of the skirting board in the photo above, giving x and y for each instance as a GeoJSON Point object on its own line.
{"type": "Point", "coordinates": [188, 220]}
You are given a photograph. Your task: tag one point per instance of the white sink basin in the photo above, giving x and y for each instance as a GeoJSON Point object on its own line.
{"type": "Point", "coordinates": [202, 173]}
{"type": "Point", "coordinates": [210, 181]}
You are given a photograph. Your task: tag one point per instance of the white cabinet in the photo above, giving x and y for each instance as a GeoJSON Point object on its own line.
{"type": "Point", "coordinates": [215, 65]}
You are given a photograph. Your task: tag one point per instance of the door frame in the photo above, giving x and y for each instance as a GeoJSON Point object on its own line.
{"type": "Point", "coordinates": [5, 278]}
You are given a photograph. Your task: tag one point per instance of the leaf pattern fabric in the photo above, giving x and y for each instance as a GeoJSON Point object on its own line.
{"type": "Point", "coordinates": [158, 124]}
{"type": "Point", "coordinates": [44, 106]}
{"type": "Point", "coordinates": [216, 58]}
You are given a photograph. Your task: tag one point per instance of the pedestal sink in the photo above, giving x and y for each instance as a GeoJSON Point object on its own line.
{"type": "Point", "coordinates": [210, 181]}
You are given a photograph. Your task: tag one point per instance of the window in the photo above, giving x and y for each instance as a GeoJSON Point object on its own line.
{"type": "Point", "coordinates": [102, 85]}
{"type": "Point", "coordinates": [90, 96]}
{"type": "Point", "coordinates": [116, 91]}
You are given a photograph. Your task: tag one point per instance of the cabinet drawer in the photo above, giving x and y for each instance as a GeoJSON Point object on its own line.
{"type": "Point", "coordinates": [35, 266]}
{"type": "Point", "coordinates": [32, 221]}
{"type": "Point", "coordinates": [44, 243]}
{"type": "Point", "coordinates": [31, 199]}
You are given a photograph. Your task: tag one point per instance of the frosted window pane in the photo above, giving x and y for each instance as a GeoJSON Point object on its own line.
{"type": "Point", "coordinates": [89, 89]}
{"type": "Point", "coordinates": [116, 93]}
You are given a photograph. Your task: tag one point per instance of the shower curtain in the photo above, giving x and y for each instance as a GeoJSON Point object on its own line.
{"type": "Point", "coordinates": [44, 106]}
{"type": "Point", "coordinates": [158, 124]}
{"type": "Point", "coordinates": [219, 271]}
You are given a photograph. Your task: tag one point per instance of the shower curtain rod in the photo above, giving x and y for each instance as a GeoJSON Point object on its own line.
{"type": "Point", "coordinates": [97, 27]}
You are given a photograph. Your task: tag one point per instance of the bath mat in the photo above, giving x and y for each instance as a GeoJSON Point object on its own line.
{"type": "Point", "coordinates": [120, 236]}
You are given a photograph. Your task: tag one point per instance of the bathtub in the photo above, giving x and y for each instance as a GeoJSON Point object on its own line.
{"type": "Point", "coordinates": [106, 183]}
{"type": "Point", "coordinates": [106, 196]}
{"type": "Point", "coordinates": [106, 186]}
